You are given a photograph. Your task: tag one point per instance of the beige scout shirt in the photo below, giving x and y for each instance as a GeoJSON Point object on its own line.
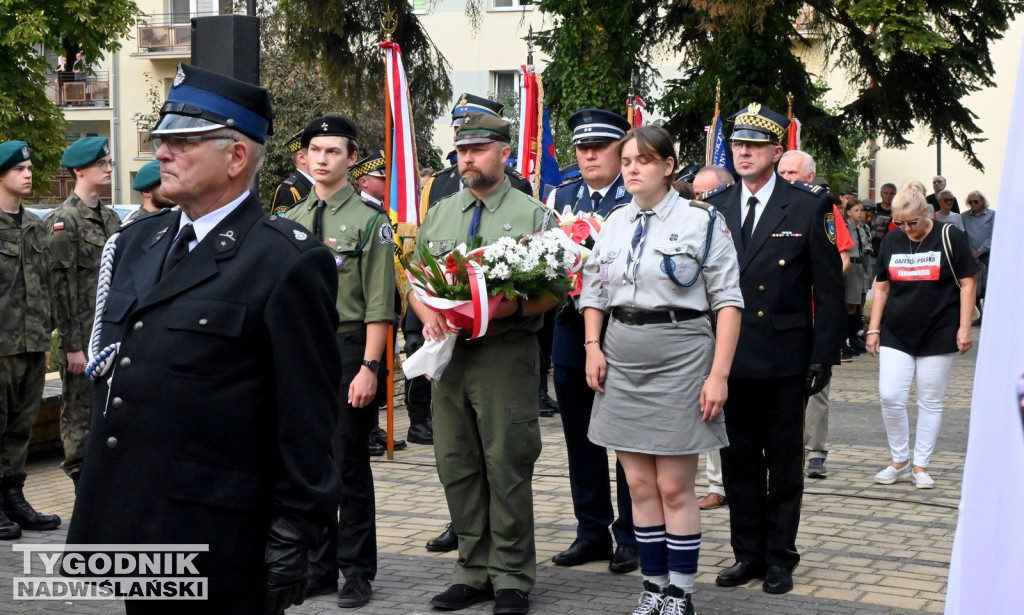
{"type": "Point", "coordinates": [25, 290]}
{"type": "Point", "coordinates": [675, 241]}
{"type": "Point", "coordinates": [507, 213]}
{"type": "Point", "coordinates": [361, 239]}
{"type": "Point", "coordinates": [77, 235]}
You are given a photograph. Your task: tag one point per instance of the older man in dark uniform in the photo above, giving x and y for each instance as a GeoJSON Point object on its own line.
{"type": "Point", "coordinates": [216, 394]}
{"type": "Point", "coordinates": [598, 190]}
{"type": "Point", "coordinates": [793, 323]}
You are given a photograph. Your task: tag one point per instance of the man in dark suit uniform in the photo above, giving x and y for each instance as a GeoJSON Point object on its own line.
{"type": "Point", "coordinates": [217, 398]}
{"type": "Point", "coordinates": [785, 240]}
{"type": "Point", "coordinates": [295, 188]}
{"type": "Point", "coordinates": [445, 183]}
{"type": "Point", "coordinates": [598, 190]}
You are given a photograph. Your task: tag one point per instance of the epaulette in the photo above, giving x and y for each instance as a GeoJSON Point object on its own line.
{"type": "Point", "coordinates": [297, 234]}
{"type": "Point", "coordinates": [814, 189]}
{"type": "Point", "coordinates": [710, 193]}
{"type": "Point", "coordinates": [701, 204]}
{"type": "Point", "coordinates": [444, 170]}
{"type": "Point", "coordinates": [145, 215]}
{"type": "Point", "coordinates": [379, 208]}
{"type": "Point", "coordinates": [290, 181]}
{"type": "Point", "coordinates": [513, 172]}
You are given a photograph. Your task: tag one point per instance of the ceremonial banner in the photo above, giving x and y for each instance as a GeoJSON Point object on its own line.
{"type": "Point", "coordinates": [636, 111]}
{"type": "Point", "coordinates": [528, 123]}
{"type": "Point", "coordinates": [988, 551]}
{"type": "Point", "coordinates": [793, 142]}
{"type": "Point", "coordinates": [402, 199]}
{"type": "Point", "coordinates": [715, 152]}
{"type": "Point", "coordinates": [550, 175]}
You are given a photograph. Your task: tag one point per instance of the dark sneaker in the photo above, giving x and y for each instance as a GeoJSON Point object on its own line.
{"type": "Point", "coordinates": [816, 468]}
{"type": "Point", "coordinates": [354, 593]}
{"type": "Point", "coordinates": [460, 596]}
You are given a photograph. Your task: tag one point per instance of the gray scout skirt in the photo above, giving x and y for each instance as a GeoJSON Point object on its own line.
{"type": "Point", "coordinates": [651, 399]}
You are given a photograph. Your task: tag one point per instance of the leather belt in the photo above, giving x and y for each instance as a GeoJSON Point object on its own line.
{"type": "Point", "coordinates": [348, 327]}
{"type": "Point", "coordinates": [639, 317]}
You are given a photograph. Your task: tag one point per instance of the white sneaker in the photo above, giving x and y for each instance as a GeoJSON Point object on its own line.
{"type": "Point", "coordinates": [922, 480]}
{"type": "Point", "coordinates": [650, 600]}
{"type": "Point", "coordinates": [890, 474]}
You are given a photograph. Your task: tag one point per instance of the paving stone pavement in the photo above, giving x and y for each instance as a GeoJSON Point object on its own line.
{"type": "Point", "coordinates": [866, 549]}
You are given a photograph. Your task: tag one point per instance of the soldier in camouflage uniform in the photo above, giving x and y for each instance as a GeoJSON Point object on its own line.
{"type": "Point", "coordinates": [147, 183]}
{"type": "Point", "coordinates": [24, 336]}
{"type": "Point", "coordinates": [78, 230]}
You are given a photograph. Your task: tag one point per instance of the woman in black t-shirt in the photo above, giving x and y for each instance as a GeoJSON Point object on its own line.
{"type": "Point", "coordinates": [920, 318]}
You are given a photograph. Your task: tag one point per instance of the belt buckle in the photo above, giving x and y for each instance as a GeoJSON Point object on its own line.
{"type": "Point", "coordinates": [629, 317]}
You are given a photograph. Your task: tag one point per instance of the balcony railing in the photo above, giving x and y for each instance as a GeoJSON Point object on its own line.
{"type": "Point", "coordinates": [167, 32]}
{"type": "Point", "coordinates": [66, 89]}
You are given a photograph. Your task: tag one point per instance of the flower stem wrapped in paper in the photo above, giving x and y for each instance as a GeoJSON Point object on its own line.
{"type": "Point", "coordinates": [582, 229]}
{"type": "Point", "coordinates": [468, 286]}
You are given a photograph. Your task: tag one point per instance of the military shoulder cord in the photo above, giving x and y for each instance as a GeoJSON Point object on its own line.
{"type": "Point", "coordinates": [100, 360]}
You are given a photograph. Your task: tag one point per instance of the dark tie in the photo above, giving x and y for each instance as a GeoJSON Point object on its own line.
{"type": "Point", "coordinates": [748, 223]}
{"type": "Point", "coordinates": [636, 246]}
{"type": "Point", "coordinates": [474, 224]}
{"type": "Point", "coordinates": [595, 201]}
{"type": "Point", "coordinates": [179, 250]}
{"type": "Point", "coordinates": [318, 219]}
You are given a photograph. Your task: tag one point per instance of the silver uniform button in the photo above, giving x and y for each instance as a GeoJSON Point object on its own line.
{"type": "Point", "coordinates": [203, 322]}
{"type": "Point", "coordinates": [116, 402]}
{"type": "Point", "coordinates": [125, 362]}
{"type": "Point", "coordinates": [137, 325]}
{"type": "Point", "coordinates": [111, 442]}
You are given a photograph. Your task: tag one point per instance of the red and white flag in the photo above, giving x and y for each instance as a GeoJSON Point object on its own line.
{"type": "Point", "coordinates": [636, 110]}
{"type": "Point", "coordinates": [529, 123]}
{"type": "Point", "coordinates": [402, 199]}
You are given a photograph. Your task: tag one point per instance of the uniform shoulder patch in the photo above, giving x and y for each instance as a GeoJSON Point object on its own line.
{"type": "Point", "coordinates": [814, 189]}
{"type": "Point", "coordinates": [710, 193]}
{"type": "Point", "coordinates": [700, 204]}
{"type": "Point", "coordinates": [830, 226]}
{"type": "Point", "coordinates": [374, 206]}
{"type": "Point", "coordinates": [386, 234]}
{"type": "Point", "coordinates": [512, 172]}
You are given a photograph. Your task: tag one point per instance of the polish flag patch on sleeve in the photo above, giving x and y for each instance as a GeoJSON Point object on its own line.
{"type": "Point", "coordinates": [58, 226]}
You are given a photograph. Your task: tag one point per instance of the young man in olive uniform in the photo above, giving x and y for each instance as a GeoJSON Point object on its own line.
{"type": "Point", "coordinates": [77, 231]}
{"type": "Point", "coordinates": [25, 302]}
{"type": "Point", "coordinates": [486, 433]}
{"type": "Point", "coordinates": [360, 236]}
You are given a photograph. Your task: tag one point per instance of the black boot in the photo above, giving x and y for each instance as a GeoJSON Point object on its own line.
{"type": "Point", "coordinates": [17, 508]}
{"type": "Point", "coordinates": [417, 400]}
{"type": "Point", "coordinates": [9, 530]}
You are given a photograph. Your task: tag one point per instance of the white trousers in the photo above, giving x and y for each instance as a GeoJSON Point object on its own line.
{"type": "Point", "coordinates": [714, 472]}
{"type": "Point", "coordinates": [895, 372]}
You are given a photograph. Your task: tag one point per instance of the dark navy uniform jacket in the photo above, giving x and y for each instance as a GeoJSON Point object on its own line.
{"type": "Point", "coordinates": [289, 192]}
{"type": "Point", "coordinates": [217, 415]}
{"type": "Point", "coordinates": [792, 251]}
{"type": "Point", "coordinates": [567, 349]}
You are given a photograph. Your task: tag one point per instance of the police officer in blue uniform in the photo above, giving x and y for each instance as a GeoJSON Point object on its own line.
{"type": "Point", "coordinates": [785, 239]}
{"type": "Point", "coordinates": [599, 190]}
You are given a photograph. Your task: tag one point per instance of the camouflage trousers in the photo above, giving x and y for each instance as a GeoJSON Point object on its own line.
{"type": "Point", "coordinates": [21, 391]}
{"type": "Point", "coordinates": [76, 400]}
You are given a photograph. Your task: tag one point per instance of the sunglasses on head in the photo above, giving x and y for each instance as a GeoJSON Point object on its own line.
{"type": "Point", "coordinates": [908, 223]}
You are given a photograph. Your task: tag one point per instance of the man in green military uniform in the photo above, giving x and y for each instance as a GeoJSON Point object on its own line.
{"type": "Point", "coordinates": [360, 236]}
{"type": "Point", "coordinates": [486, 432]}
{"type": "Point", "coordinates": [78, 230]}
{"type": "Point", "coordinates": [25, 302]}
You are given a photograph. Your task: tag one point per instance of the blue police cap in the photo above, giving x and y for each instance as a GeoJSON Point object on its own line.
{"type": "Point", "coordinates": [202, 100]}
{"type": "Point", "coordinates": [570, 172]}
{"type": "Point", "coordinates": [84, 152]}
{"type": "Point", "coordinates": [372, 166]}
{"type": "Point", "coordinates": [469, 102]}
{"type": "Point", "coordinates": [758, 124]}
{"type": "Point", "coordinates": [597, 126]}
{"type": "Point", "coordinates": [12, 153]}
{"type": "Point", "coordinates": [148, 176]}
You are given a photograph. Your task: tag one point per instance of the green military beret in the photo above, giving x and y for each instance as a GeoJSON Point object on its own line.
{"type": "Point", "coordinates": [480, 127]}
{"type": "Point", "coordinates": [84, 152]}
{"type": "Point", "coordinates": [148, 177]}
{"type": "Point", "coordinates": [13, 152]}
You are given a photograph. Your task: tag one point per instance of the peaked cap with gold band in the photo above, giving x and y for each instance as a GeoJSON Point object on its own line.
{"type": "Point", "coordinates": [372, 165]}
{"type": "Point", "coordinates": [758, 124]}
{"type": "Point", "coordinates": [469, 102]}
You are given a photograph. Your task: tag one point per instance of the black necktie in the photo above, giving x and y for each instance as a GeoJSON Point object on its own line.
{"type": "Point", "coordinates": [318, 219]}
{"type": "Point", "coordinates": [595, 201]}
{"type": "Point", "coordinates": [179, 250]}
{"type": "Point", "coordinates": [474, 224]}
{"type": "Point", "coordinates": [748, 223]}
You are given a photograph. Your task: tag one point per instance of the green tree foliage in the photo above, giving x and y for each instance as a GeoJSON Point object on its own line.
{"type": "Point", "coordinates": [26, 26]}
{"type": "Point", "coordinates": [333, 44]}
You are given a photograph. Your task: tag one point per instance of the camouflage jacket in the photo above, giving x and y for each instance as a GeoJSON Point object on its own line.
{"type": "Point", "coordinates": [77, 235]}
{"type": "Point", "coordinates": [25, 290]}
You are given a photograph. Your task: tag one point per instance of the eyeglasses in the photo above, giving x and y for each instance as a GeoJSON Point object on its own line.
{"type": "Point", "coordinates": [908, 223]}
{"type": "Point", "coordinates": [104, 164]}
{"type": "Point", "coordinates": [974, 202]}
{"type": "Point", "coordinates": [178, 144]}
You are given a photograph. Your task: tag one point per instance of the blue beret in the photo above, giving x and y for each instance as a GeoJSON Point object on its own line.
{"type": "Point", "coordinates": [84, 152]}
{"type": "Point", "coordinates": [469, 102]}
{"type": "Point", "coordinates": [202, 100]}
{"type": "Point", "coordinates": [12, 153]}
{"type": "Point", "coordinates": [597, 126]}
{"type": "Point", "coordinates": [758, 124]}
{"type": "Point", "coordinates": [148, 177]}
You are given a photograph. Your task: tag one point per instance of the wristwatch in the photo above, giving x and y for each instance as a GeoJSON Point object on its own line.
{"type": "Point", "coordinates": [373, 365]}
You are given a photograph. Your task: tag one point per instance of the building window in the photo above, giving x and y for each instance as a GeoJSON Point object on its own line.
{"type": "Point", "coordinates": [505, 84]}
{"type": "Point", "coordinates": [511, 4]}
